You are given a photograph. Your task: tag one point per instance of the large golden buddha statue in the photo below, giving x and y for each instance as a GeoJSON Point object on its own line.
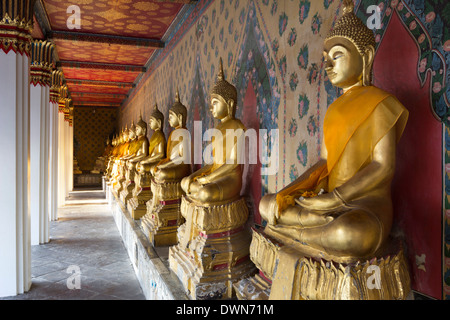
{"type": "Point", "coordinates": [144, 168]}
{"type": "Point", "coordinates": [213, 244]}
{"type": "Point", "coordinates": [163, 216]}
{"type": "Point", "coordinates": [324, 228]}
{"type": "Point", "coordinates": [138, 152]}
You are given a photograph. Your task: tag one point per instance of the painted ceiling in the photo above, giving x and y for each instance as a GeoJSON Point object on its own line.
{"type": "Point", "coordinates": [103, 46]}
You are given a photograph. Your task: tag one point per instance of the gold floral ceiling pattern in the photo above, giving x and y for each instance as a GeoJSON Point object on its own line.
{"type": "Point", "coordinates": [109, 48]}
{"type": "Point", "coordinates": [102, 52]}
{"type": "Point", "coordinates": [145, 19]}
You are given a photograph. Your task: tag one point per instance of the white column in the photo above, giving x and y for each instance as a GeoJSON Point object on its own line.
{"type": "Point", "coordinates": [70, 157]}
{"type": "Point", "coordinates": [39, 159]}
{"type": "Point", "coordinates": [53, 163]}
{"type": "Point", "coordinates": [61, 161]}
{"type": "Point", "coordinates": [15, 245]}
{"type": "Point", "coordinates": [66, 157]}
{"type": "Point", "coordinates": [45, 219]}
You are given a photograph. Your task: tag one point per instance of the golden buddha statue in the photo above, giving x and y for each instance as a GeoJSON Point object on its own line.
{"type": "Point", "coordinates": [108, 159]}
{"type": "Point", "coordinates": [111, 157]}
{"type": "Point", "coordinates": [213, 244]}
{"type": "Point", "coordinates": [123, 143]}
{"type": "Point", "coordinates": [138, 152]}
{"type": "Point", "coordinates": [128, 151]}
{"type": "Point", "coordinates": [324, 228]}
{"type": "Point", "coordinates": [163, 216]}
{"type": "Point", "coordinates": [101, 161]}
{"type": "Point", "coordinates": [144, 168]}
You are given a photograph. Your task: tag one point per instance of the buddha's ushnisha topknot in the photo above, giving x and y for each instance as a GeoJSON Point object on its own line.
{"type": "Point", "coordinates": [178, 108]}
{"type": "Point", "coordinates": [141, 123]}
{"type": "Point", "coordinates": [222, 87]}
{"type": "Point", "coordinates": [350, 27]}
{"type": "Point", "coordinates": [158, 115]}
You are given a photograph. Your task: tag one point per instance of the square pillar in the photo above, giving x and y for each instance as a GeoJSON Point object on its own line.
{"type": "Point", "coordinates": [15, 244]}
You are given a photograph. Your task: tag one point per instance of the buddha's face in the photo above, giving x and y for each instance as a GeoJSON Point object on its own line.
{"type": "Point", "coordinates": [343, 63]}
{"type": "Point", "coordinates": [132, 134]}
{"type": "Point", "coordinates": [155, 124]}
{"type": "Point", "coordinates": [218, 107]}
{"type": "Point", "coordinates": [173, 120]}
{"type": "Point", "coordinates": [139, 131]}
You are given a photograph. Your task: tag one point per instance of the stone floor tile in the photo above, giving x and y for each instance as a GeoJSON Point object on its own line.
{"type": "Point", "coordinates": [84, 236]}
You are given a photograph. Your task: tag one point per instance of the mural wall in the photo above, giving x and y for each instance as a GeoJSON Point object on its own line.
{"type": "Point", "coordinates": [91, 127]}
{"type": "Point", "coordinates": [272, 52]}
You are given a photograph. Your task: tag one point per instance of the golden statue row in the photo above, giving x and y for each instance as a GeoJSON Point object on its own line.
{"type": "Point", "coordinates": [327, 234]}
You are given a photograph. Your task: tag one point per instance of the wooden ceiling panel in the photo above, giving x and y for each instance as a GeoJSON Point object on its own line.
{"type": "Point", "coordinates": [100, 75]}
{"type": "Point", "coordinates": [102, 52]}
{"type": "Point", "coordinates": [147, 19]}
{"type": "Point", "coordinates": [86, 88]}
{"type": "Point", "coordinates": [97, 98]}
{"type": "Point", "coordinates": [102, 59]}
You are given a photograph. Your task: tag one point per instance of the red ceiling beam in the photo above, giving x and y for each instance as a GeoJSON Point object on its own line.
{"type": "Point", "coordinates": [96, 104]}
{"type": "Point", "coordinates": [102, 66]}
{"type": "Point", "coordinates": [104, 38]}
{"type": "Point", "coordinates": [97, 83]}
{"type": "Point", "coordinates": [106, 94]}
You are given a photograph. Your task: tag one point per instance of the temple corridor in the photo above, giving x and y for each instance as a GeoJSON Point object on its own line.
{"type": "Point", "coordinates": [85, 236]}
{"type": "Point", "coordinates": [225, 150]}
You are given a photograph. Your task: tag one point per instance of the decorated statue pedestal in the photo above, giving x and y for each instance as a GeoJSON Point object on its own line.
{"type": "Point", "coordinates": [137, 204]}
{"type": "Point", "coordinates": [384, 277]}
{"type": "Point", "coordinates": [163, 217]}
{"type": "Point", "coordinates": [213, 249]}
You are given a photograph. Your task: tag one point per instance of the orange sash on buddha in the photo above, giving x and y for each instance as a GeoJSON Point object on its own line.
{"type": "Point", "coordinates": [135, 146]}
{"type": "Point", "coordinates": [124, 149]}
{"type": "Point", "coordinates": [155, 140]}
{"type": "Point", "coordinates": [349, 118]}
{"type": "Point", "coordinates": [170, 146]}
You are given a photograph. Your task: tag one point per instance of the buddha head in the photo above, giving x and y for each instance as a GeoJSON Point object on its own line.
{"type": "Point", "coordinates": [125, 136]}
{"type": "Point", "coordinates": [141, 127]}
{"type": "Point", "coordinates": [223, 97]}
{"type": "Point", "coordinates": [132, 132]}
{"type": "Point", "coordinates": [156, 119]}
{"type": "Point", "coordinates": [122, 136]}
{"type": "Point", "coordinates": [349, 51]}
{"type": "Point", "coordinates": [177, 113]}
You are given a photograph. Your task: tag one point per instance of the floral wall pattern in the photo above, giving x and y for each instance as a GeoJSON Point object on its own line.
{"type": "Point", "coordinates": [272, 53]}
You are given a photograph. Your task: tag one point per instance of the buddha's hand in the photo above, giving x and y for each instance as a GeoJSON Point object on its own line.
{"type": "Point", "coordinates": [324, 202]}
{"type": "Point", "coordinates": [203, 180]}
{"type": "Point", "coordinates": [268, 209]}
{"type": "Point", "coordinates": [185, 184]}
{"type": "Point", "coordinates": [194, 188]}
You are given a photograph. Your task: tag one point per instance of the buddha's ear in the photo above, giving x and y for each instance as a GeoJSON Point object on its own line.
{"type": "Point", "coordinates": [231, 107]}
{"type": "Point", "coordinates": [368, 57]}
{"type": "Point", "coordinates": [159, 123]}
